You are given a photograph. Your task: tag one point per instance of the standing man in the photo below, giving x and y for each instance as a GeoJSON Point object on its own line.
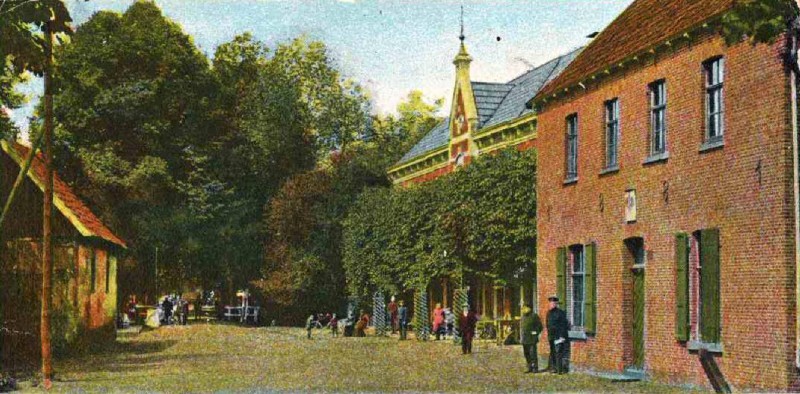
{"type": "Point", "coordinates": [392, 308]}
{"type": "Point", "coordinates": [558, 335]}
{"type": "Point", "coordinates": [402, 316]}
{"type": "Point", "coordinates": [466, 325]}
{"type": "Point", "coordinates": [531, 326]}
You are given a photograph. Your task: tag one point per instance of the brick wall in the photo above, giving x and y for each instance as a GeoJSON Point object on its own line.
{"type": "Point", "coordinates": [744, 189]}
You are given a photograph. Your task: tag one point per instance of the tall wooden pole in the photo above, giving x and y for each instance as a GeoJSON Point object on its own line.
{"type": "Point", "coordinates": [47, 247]}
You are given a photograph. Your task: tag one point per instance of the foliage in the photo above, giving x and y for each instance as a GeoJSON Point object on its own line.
{"type": "Point", "coordinates": [478, 220]}
{"type": "Point", "coordinates": [761, 21]}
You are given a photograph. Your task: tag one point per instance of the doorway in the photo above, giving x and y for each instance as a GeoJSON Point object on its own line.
{"type": "Point", "coordinates": [635, 266]}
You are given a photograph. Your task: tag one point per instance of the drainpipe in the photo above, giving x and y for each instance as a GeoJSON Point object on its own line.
{"type": "Point", "coordinates": [793, 80]}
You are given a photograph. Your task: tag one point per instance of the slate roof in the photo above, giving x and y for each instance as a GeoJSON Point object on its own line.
{"type": "Point", "coordinates": [66, 201]}
{"type": "Point", "coordinates": [497, 102]}
{"type": "Point", "coordinates": [436, 138]}
{"type": "Point", "coordinates": [644, 24]}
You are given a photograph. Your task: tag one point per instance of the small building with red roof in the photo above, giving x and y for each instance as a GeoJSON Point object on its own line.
{"type": "Point", "coordinates": [86, 254]}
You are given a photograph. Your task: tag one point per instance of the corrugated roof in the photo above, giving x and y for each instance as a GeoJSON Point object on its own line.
{"type": "Point", "coordinates": [66, 200]}
{"type": "Point", "coordinates": [644, 24]}
{"type": "Point", "coordinates": [436, 138]}
{"type": "Point", "coordinates": [497, 102]}
{"type": "Point", "coordinates": [527, 85]}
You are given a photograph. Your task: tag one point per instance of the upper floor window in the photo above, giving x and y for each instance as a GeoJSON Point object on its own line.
{"type": "Point", "coordinates": [715, 103]}
{"type": "Point", "coordinates": [658, 117]}
{"type": "Point", "coordinates": [572, 147]}
{"type": "Point", "coordinates": [612, 132]}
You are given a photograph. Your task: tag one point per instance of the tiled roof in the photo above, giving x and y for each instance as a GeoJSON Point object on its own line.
{"type": "Point", "coordinates": [488, 97]}
{"type": "Point", "coordinates": [527, 85]}
{"type": "Point", "coordinates": [644, 24]}
{"type": "Point", "coordinates": [65, 199]}
{"type": "Point", "coordinates": [436, 138]}
{"type": "Point", "coordinates": [497, 102]}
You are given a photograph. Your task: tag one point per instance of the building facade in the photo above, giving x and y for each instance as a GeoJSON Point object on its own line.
{"type": "Point", "coordinates": [85, 268]}
{"type": "Point", "coordinates": [668, 199]}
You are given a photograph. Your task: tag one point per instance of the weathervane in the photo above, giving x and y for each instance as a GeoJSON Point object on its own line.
{"type": "Point", "coordinates": [461, 37]}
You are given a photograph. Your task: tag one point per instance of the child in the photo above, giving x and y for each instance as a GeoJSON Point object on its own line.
{"type": "Point", "coordinates": [310, 325]}
{"type": "Point", "coordinates": [334, 323]}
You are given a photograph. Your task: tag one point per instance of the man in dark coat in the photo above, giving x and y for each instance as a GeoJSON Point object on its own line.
{"type": "Point", "coordinates": [530, 327]}
{"type": "Point", "coordinates": [558, 335]}
{"type": "Point", "coordinates": [466, 325]}
{"type": "Point", "coordinates": [402, 319]}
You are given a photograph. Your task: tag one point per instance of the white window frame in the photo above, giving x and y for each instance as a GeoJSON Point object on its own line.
{"type": "Point", "coordinates": [714, 70]}
{"type": "Point", "coordinates": [612, 132]}
{"type": "Point", "coordinates": [658, 138]}
{"type": "Point", "coordinates": [577, 325]}
{"type": "Point", "coordinates": [571, 142]}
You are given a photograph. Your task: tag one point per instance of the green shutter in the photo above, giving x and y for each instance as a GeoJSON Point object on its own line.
{"type": "Point", "coordinates": [561, 276]}
{"type": "Point", "coordinates": [682, 289]}
{"type": "Point", "coordinates": [590, 316]}
{"type": "Point", "coordinates": [709, 285]}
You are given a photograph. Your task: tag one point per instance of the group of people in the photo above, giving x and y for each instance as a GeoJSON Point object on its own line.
{"type": "Point", "coordinates": [557, 334]}
{"type": "Point", "coordinates": [352, 326]}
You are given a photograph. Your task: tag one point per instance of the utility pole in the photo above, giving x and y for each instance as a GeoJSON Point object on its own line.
{"type": "Point", "coordinates": [47, 247]}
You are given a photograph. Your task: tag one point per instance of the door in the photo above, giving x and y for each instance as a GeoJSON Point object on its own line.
{"type": "Point", "coordinates": [638, 318]}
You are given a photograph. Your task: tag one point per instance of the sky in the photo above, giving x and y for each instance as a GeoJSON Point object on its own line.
{"type": "Point", "coordinates": [390, 47]}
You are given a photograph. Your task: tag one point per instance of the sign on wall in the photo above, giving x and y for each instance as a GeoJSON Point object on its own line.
{"type": "Point", "coordinates": [630, 206]}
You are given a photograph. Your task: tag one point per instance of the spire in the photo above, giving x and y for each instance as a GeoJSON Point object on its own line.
{"type": "Point", "coordinates": [463, 58]}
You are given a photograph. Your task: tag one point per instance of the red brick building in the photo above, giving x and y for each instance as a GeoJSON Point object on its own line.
{"type": "Point", "coordinates": [85, 267]}
{"type": "Point", "coordinates": [668, 199]}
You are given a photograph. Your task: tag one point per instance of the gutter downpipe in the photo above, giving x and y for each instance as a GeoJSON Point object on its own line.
{"type": "Point", "coordinates": [794, 67]}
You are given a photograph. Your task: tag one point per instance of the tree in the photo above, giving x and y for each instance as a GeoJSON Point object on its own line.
{"type": "Point", "coordinates": [761, 21]}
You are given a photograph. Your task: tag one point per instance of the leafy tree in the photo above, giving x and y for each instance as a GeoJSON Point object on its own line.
{"type": "Point", "coordinates": [761, 21]}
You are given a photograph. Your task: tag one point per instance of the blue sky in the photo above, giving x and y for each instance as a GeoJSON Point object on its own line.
{"type": "Point", "coordinates": [391, 47]}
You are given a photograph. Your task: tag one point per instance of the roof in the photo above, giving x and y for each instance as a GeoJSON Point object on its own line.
{"type": "Point", "coordinates": [436, 138]}
{"type": "Point", "coordinates": [644, 24]}
{"type": "Point", "coordinates": [497, 102]}
{"type": "Point", "coordinates": [65, 200]}
{"type": "Point", "coordinates": [527, 85]}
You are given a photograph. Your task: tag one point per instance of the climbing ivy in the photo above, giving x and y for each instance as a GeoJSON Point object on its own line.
{"type": "Point", "coordinates": [480, 219]}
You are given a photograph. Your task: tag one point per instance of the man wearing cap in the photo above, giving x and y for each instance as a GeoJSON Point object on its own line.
{"type": "Point", "coordinates": [558, 335]}
{"type": "Point", "coordinates": [531, 326]}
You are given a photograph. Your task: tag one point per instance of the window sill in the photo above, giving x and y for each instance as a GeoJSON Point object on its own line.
{"type": "Point", "coordinates": [712, 145]}
{"type": "Point", "coordinates": [570, 181]}
{"type": "Point", "coordinates": [709, 347]}
{"type": "Point", "coordinates": [610, 170]}
{"type": "Point", "coordinates": [579, 335]}
{"type": "Point", "coordinates": [656, 158]}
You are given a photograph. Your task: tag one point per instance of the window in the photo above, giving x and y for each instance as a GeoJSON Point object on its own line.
{"type": "Point", "coordinates": [93, 272]}
{"type": "Point", "coordinates": [715, 103]}
{"type": "Point", "coordinates": [577, 279]}
{"type": "Point", "coordinates": [612, 132]}
{"type": "Point", "coordinates": [698, 296]}
{"type": "Point", "coordinates": [658, 118]}
{"type": "Point", "coordinates": [572, 147]}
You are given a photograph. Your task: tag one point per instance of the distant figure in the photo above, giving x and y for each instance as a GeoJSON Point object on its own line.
{"type": "Point", "coordinates": [392, 308]}
{"type": "Point", "coordinates": [166, 307]}
{"type": "Point", "coordinates": [558, 335]}
{"type": "Point", "coordinates": [131, 310]}
{"type": "Point", "coordinates": [402, 320]}
{"type": "Point", "coordinates": [450, 321]}
{"type": "Point", "coordinates": [466, 325]}
{"type": "Point", "coordinates": [310, 323]}
{"type": "Point", "coordinates": [530, 327]}
{"type": "Point", "coordinates": [334, 325]}
{"type": "Point", "coordinates": [362, 324]}
{"type": "Point", "coordinates": [438, 320]}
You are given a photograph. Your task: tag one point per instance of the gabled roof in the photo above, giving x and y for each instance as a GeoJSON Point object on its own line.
{"type": "Point", "coordinates": [527, 85]}
{"type": "Point", "coordinates": [496, 102]}
{"type": "Point", "coordinates": [65, 200]}
{"type": "Point", "coordinates": [644, 24]}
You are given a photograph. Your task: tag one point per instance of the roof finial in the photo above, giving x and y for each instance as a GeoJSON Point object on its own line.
{"type": "Point", "coordinates": [461, 36]}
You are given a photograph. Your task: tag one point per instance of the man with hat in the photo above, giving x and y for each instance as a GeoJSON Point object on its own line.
{"type": "Point", "coordinates": [558, 335]}
{"type": "Point", "coordinates": [530, 326]}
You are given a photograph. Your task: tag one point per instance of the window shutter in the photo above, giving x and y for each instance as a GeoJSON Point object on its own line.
{"type": "Point", "coordinates": [590, 317]}
{"type": "Point", "coordinates": [561, 276]}
{"type": "Point", "coordinates": [682, 289]}
{"type": "Point", "coordinates": [709, 285]}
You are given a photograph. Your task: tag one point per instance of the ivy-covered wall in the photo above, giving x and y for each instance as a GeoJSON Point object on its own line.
{"type": "Point", "coordinates": [478, 220]}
